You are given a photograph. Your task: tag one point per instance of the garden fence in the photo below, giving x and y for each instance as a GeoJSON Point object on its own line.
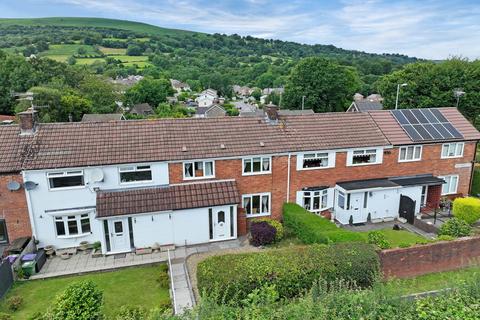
{"type": "Point", "coordinates": [6, 278]}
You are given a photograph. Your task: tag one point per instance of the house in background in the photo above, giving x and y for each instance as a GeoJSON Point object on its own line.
{"type": "Point", "coordinates": [142, 109]}
{"type": "Point", "coordinates": [207, 98]}
{"type": "Point", "coordinates": [4, 119]}
{"type": "Point", "coordinates": [242, 91]}
{"type": "Point", "coordinates": [214, 111]}
{"type": "Point", "coordinates": [179, 86]}
{"type": "Point", "coordinates": [102, 117]}
{"type": "Point", "coordinates": [190, 181]}
{"type": "Point", "coordinates": [370, 103]}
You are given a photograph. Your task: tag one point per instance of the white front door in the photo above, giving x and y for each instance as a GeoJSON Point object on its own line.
{"type": "Point", "coordinates": [221, 224]}
{"type": "Point", "coordinates": [119, 235]}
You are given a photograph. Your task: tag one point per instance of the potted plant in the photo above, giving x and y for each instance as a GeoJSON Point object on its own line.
{"type": "Point", "coordinates": [84, 246]}
{"type": "Point", "coordinates": [49, 251]}
{"type": "Point", "coordinates": [97, 249]}
{"type": "Point", "coordinates": [65, 256]}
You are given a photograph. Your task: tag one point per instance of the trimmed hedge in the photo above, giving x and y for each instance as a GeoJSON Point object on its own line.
{"type": "Point", "coordinates": [291, 270]}
{"type": "Point", "coordinates": [311, 228]}
{"type": "Point", "coordinates": [467, 209]}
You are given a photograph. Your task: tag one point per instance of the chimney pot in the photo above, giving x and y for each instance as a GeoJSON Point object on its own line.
{"type": "Point", "coordinates": [272, 112]}
{"type": "Point", "coordinates": [28, 121]}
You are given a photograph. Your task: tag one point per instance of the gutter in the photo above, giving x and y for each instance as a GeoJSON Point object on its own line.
{"type": "Point", "coordinates": [30, 210]}
{"type": "Point", "coordinates": [288, 177]}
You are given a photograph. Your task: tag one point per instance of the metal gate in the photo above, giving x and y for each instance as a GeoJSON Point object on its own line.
{"type": "Point", "coordinates": [407, 208]}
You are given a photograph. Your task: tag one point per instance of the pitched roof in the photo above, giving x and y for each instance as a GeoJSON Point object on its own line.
{"type": "Point", "coordinates": [174, 197]}
{"type": "Point", "coordinates": [101, 117]}
{"type": "Point", "coordinates": [142, 108]}
{"type": "Point", "coordinates": [287, 112]}
{"type": "Point", "coordinates": [7, 118]}
{"type": "Point", "coordinates": [63, 145]}
{"type": "Point", "coordinates": [368, 105]}
{"type": "Point", "coordinates": [397, 136]}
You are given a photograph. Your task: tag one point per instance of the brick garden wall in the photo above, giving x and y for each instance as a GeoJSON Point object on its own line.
{"type": "Point", "coordinates": [14, 209]}
{"type": "Point", "coordinates": [435, 257]}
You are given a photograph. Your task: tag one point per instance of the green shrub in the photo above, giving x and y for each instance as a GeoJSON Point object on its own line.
{"type": "Point", "coordinates": [14, 303]}
{"type": "Point", "coordinates": [291, 270]}
{"type": "Point", "coordinates": [455, 228]}
{"type": "Point", "coordinates": [131, 313]}
{"type": "Point", "coordinates": [445, 238]}
{"type": "Point", "coordinates": [80, 301]}
{"type": "Point", "coordinates": [163, 280]}
{"type": "Point", "coordinates": [262, 233]}
{"type": "Point", "coordinates": [311, 228]}
{"type": "Point", "coordinates": [5, 316]}
{"type": "Point", "coordinates": [274, 223]}
{"type": "Point", "coordinates": [467, 209]}
{"type": "Point", "coordinates": [377, 238]}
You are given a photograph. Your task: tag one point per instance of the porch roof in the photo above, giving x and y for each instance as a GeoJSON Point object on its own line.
{"type": "Point", "coordinates": [423, 180]}
{"type": "Point", "coordinates": [168, 198]}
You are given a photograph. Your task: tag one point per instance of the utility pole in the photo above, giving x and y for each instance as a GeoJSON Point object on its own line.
{"type": "Point", "coordinates": [458, 93]}
{"type": "Point", "coordinates": [398, 91]}
{"type": "Point", "coordinates": [303, 102]}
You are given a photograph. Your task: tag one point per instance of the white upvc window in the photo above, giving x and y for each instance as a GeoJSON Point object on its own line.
{"type": "Point", "coordinates": [130, 174]}
{"type": "Point", "coordinates": [341, 199]}
{"type": "Point", "coordinates": [198, 169]}
{"type": "Point", "coordinates": [316, 160]}
{"type": "Point", "coordinates": [315, 201]}
{"type": "Point", "coordinates": [65, 179]}
{"type": "Point", "coordinates": [257, 204]}
{"type": "Point", "coordinates": [451, 185]}
{"type": "Point", "coordinates": [452, 150]}
{"type": "Point", "coordinates": [256, 165]}
{"type": "Point", "coordinates": [410, 153]}
{"type": "Point", "coordinates": [364, 157]}
{"type": "Point", "coordinates": [72, 225]}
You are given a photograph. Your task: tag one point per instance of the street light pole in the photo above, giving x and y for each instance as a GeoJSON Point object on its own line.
{"type": "Point", "coordinates": [398, 91]}
{"type": "Point", "coordinates": [458, 93]}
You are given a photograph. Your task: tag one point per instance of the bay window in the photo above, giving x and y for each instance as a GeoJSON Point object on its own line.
{"type": "Point", "coordinates": [72, 225]}
{"type": "Point", "coordinates": [315, 201]}
{"type": "Point", "coordinates": [198, 169]}
{"type": "Point", "coordinates": [257, 165]}
{"type": "Point", "coordinates": [410, 153]}
{"type": "Point", "coordinates": [65, 179]}
{"type": "Point", "coordinates": [256, 204]}
{"type": "Point", "coordinates": [452, 150]}
{"type": "Point", "coordinates": [135, 174]}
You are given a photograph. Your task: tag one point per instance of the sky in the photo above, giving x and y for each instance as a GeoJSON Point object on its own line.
{"type": "Point", "coordinates": [422, 28]}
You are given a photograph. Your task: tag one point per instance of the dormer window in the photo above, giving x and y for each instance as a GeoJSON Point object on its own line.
{"type": "Point", "coordinates": [198, 170]}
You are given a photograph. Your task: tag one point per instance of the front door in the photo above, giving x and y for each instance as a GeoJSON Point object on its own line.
{"type": "Point", "coordinates": [221, 224]}
{"type": "Point", "coordinates": [119, 235]}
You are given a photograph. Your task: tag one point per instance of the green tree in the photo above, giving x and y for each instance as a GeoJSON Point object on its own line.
{"type": "Point", "coordinates": [71, 60]}
{"type": "Point", "coordinates": [75, 106]}
{"type": "Point", "coordinates": [432, 85]}
{"type": "Point", "coordinates": [151, 91]}
{"type": "Point", "coordinates": [81, 51]}
{"type": "Point", "coordinates": [257, 94]}
{"type": "Point", "coordinates": [134, 50]}
{"type": "Point", "coordinates": [326, 85]}
{"type": "Point", "coordinates": [100, 92]}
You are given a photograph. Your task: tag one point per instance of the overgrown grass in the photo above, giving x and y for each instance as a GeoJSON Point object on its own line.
{"type": "Point", "coordinates": [132, 286]}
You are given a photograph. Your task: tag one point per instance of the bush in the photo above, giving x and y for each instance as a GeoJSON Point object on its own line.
{"type": "Point", "coordinates": [291, 270]}
{"type": "Point", "coordinates": [262, 233]}
{"type": "Point", "coordinates": [377, 238]}
{"type": "Point", "coordinates": [5, 316]}
{"type": "Point", "coordinates": [311, 228]}
{"type": "Point", "coordinates": [455, 228]}
{"type": "Point", "coordinates": [467, 209]}
{"type": "Point", "coordinates": [14, 303]}
{"type": "Point", "coordinates": [131, 313]}
{"type": "Point", "coordinates": [163, 280]}
{"type": "Point", "coordinates": [274, 223]}
{"type": "Point", "coordinates": [80, 301]}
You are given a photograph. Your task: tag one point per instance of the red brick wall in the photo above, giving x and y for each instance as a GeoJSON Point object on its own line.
{"type": "Point", "coordinates": [435, 257]}
{"type": "Point", "coordinates": [13, 208]}
{"type": "Point", "coordinates": [276, 183]}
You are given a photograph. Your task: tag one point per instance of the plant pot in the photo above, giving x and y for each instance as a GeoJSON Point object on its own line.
{"type": "Point", "coordinates": [97, 253]}
{"type": "Point", "coordinates": [84, 245]}
{"type": "Point", "coordinates": [65, 256]}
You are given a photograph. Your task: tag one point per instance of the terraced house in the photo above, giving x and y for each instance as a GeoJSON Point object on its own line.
{"type": "Point", "coordinates": [130, 184]}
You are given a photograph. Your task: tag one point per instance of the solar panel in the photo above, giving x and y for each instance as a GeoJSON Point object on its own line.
{"type": "Point", "coordinates": [426, 124]}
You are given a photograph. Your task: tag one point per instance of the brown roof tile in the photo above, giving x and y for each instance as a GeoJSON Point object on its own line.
{"type": "Point", "coordinates": [61, 145]}
{"type": "Point", "coordinates": [174, 197]}
{"type": "Point", "coordinates": [397, 136]}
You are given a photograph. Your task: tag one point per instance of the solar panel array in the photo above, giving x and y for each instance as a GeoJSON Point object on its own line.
{"type": "Point", "coordinates": [426, 124]}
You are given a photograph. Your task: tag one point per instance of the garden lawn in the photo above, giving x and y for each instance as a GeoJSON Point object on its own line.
{"type": "Point", "coordinates": [397, 237]}
{"type": "Point", "coordinates": [131, 286]}
{"type": "Point", "coordinates": [432, 281]}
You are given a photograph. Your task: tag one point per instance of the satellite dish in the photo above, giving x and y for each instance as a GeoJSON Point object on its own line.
{"type": "Point", "coordinates": [13, 186]}
{"type": "Point", "coordinates": [96, 175]}
{"type": "Point", "coordinates": [30, 185]}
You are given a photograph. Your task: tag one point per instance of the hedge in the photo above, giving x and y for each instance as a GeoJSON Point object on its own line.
{"type": "Point", "coordinates": [291, 270]}
{"type": "Point", "coordinates": [467, 209]}
{"type": "Point", "coordinates": [311, 228]}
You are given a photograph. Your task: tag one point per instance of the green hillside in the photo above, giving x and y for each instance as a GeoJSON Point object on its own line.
{"type": "Point", "coordinates": [93, 22]}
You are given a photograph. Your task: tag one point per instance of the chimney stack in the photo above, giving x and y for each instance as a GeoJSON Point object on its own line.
{"type": "Point", "coordinates": [271, 111]}
{"type": "Point", "coordinates": [28, 121]}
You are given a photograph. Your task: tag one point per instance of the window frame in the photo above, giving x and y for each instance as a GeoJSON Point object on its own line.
{"type": "Point", "coordinates": [134, 168]}
{"type": "Point", "coordinates": [79, 217]}
{"type": "Point", "coordinates": [366, 151]}
{"type": "Point", "coordinates": [413, 154]}
{"type": "Point", "coordinates": [262, 171]}
{"type": "Point", "coordinates": [449, 178]}
{"type": "Point", "coordinates": [321, 194]}
{"type": "Point", "coordinates": [63, 174]}
{"type": "Point", "coordinates": [3, 225]}
{"type": "Point", "coordinates": [203, 166]}
{"type": "Point", "coordinates": [260, 195]}
{"type": "Point", "coordinates": [331, 160]}
{"type": "Point", "coordinates": [449, 144]}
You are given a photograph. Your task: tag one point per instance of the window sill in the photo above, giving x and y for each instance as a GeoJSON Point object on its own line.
{"type": "Point", "coordinates": [136, 182]}
{"type": "Point", "coordinates": [454, 157]}
{"type": "Point", "coordinates": [362, 164]}
{"type": "Point", "coordinates": [67, 188]}
{"type": "Point", "coordinates": [75, 236]}
{"type": "Point", "coordinates": [198, 178]}
{"type": "Point", "coordinates": [416, 160]}
{"type": "Point", "coordinates": [256, 173]}
{"type": "Point", "coordinates": [314, 168]}
{"type": "Point", "coordinates": [258, 215]}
